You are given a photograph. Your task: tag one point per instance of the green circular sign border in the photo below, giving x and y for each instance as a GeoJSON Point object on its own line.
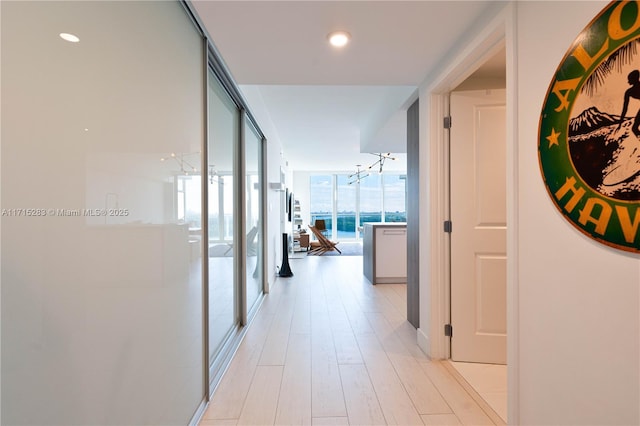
{"type": "Point", "coordinates": [557, 167]}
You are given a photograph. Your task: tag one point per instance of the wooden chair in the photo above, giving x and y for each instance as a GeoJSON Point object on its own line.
{"type": "Point", "coordinates": [323, 244]}
{"type": "Point", "coordinates": [321, 226]}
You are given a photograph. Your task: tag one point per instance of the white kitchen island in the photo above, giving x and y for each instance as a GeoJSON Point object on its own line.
{"type": "Point", "coordinates": [385, 252]}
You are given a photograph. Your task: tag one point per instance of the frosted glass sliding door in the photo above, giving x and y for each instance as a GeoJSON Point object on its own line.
{"type": "Point", "coordinates": [102, 291]}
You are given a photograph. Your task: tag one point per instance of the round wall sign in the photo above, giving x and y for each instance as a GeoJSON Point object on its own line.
{"type": "Point", "coordinates": [589, 133]}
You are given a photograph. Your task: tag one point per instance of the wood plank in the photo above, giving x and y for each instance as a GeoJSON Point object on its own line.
{"type": "Point", "coordinates": [355, 309]}
{"type": "Point", "coordinates": [395, 299]}
{"type": "Point", "coordinates": [347, 349]}
{"type": "Point", "coordinates": [338, 319]}
{"type": "Point", "coordinates": [396, 404]}
{"type": "Point", "coordinates": [272, 299]}
{"type": "Point", "coordinates": [218, 422]}
{"type": "Point", "coordinates": [262, 398]}
{"type": "Point", "coordinates": [441, 420]}
{"type": "Point", "coordinates": [327, 397]}
{"type": "Point", "coordinates": [409, 336]}
{"type": "Point", "coordinates": [401, 290]}
{"type": "Point", "coordinates": [419, 387]}
{"type": "Point", "coordinates": [229, 398]}
{"type": "Point", "coordinates": [362, 404]}
{"type": "Point", "coordinates": [301, 323]}
{"type": "Point", "coordinates": [330, 421]}
{"type": "Point", "coordinates": [359, 323]}
{"type": "Point", "coordinates": [317, 297]}
{"type": "Point", "coordinates": [463, 406]}
{"type": "Point", "coordinates": [294, 403]}
{"type": "Point", "coordinates": [275, 346]}
{"type": "Point", "coordinates": [329, 374]}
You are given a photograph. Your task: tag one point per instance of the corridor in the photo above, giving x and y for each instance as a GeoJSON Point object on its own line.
{"type": "Point", "coordinates": [328, 348]}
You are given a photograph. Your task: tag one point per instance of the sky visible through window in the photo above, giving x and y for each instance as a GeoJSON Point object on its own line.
{"type": "Point", "coordinates": [321, 190]}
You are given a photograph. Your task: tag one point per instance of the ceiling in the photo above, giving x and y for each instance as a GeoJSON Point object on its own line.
{"type": "Point", "coordinates": [330, 108]}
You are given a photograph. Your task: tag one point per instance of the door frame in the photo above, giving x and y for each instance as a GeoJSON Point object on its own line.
{"type": "Point", "coordinates": [499, 31]}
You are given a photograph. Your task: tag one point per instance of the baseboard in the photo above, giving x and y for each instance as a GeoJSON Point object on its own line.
{"type": "Point", "coordinates": [390, 280]}
{"type": "Point", "coordinates": [424, 343]}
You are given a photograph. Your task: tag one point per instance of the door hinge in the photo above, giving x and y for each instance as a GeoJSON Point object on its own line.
{"type": "Point", "coordinates": [448, 330]}
{"type": "Point", "coordinates": [447, 122]}
{"type": "Point", "coordinates": [448, 226]}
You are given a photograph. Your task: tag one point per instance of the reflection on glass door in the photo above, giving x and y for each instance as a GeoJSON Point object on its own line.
{"type": "Point", "coordinates": [223, 249]}
{"type": "Point", "coordinates": [253, 182]}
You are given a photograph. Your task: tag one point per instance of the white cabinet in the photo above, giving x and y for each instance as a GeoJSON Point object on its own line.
{"type": "Point", "coordinates": [391, 254]}
{"type": "Point", "coordinates": [385, 253]}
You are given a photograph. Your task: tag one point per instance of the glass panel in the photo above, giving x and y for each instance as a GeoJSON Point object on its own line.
{"type": "Point", "coordinates": [253, 149]}
{"type": "Point", "coordinates": [321, 199]}
{"type": "Point", "coordinates": [395, 209]}
{"type": "Point", "coordinates": [193, 201]}
{"type": "Point", "coordinates": [180, 199]}
{"type": "Point", "coordinates": [345, 208]}
{"type": "Point", "coordinates": [223, 136]}
{"type": "Point", "coordinates": [216, 221]}
{"type": "Point", "coordinates": [102, 319]}
{"type": "Point", "coordinates": [228, 207]}
{"type": "Point", "coordinates": [371, 199]}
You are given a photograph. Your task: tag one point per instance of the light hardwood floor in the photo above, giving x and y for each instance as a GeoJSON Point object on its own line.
{"type": "Point", "coordinates": [329, 348]}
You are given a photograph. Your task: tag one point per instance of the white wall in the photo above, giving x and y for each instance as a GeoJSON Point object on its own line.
{"type": "Point", "coordinates": [578, 300]}
{"type": "Point", "coordinates": [274, 207]}
{"type": "Point", "coordinates": [301, 192]}
{"type": "Point", "coordinates": [575, 314]}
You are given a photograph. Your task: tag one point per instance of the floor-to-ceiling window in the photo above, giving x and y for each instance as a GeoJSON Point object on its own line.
{"type": "Point", "coordinates": [321, 199]}
{"type": "Point", "coordinates": [346, 204]}
{"type": "Point", "coordinates": [394, 196]}
{"type": "Point", "coordinates": [370, 206]}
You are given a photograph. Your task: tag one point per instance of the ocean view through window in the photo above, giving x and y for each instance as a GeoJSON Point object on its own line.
{"type": "Point", "coordinates": [345, 208]}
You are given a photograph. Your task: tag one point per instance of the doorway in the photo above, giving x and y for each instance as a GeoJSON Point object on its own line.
{"type": "Point", "coordinates": [478, 255]}
{"type": "Point", "coordinates": [478, 242]}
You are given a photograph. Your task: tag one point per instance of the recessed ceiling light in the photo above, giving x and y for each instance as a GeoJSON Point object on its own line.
{"type": "Point", "coordinates": [69, 37]}
{"type": "Point", "coordinates": [339, 38]}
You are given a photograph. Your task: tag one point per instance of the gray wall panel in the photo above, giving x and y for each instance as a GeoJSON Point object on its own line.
{"type": "Point", "coordinates": [413, 215]}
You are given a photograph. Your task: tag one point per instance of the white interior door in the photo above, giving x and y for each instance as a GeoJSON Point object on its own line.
{"type": "Point", "coordinates": [478, 238]}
